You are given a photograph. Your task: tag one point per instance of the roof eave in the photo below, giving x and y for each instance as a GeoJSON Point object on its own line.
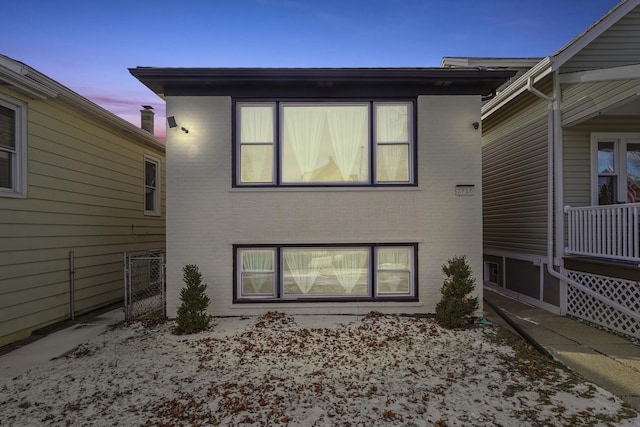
{"type": "Point", "coordinates": [35, 85]}
{"type": "Point", "coordinates": [560, 57]}
{"type": "Point", "coordinates": [566, 52]}
{"type": "Point", "coordinates": [159, 79]}
{"type": "Point", "coordinates": [539, 71]}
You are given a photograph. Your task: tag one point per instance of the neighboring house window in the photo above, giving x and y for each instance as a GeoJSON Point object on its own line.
{"type": "Point", "coordinates": [324, 143]}
{"type": "Point", "coordinates": [616, 176]}
{"type": "Point", "coordinates": [355, 272]}
{"type": "Point", "coordinates": [13, 160]}
{"type": "Point", "coordinates": [151, 186]}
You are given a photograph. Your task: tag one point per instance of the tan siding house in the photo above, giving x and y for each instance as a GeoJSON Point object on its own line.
{"type": "Point", "coordinates": [561, 172]}
{"type": "Point", "coordinates": [72, 193]}
{"type": "Point", "coordinates": [246, 204]}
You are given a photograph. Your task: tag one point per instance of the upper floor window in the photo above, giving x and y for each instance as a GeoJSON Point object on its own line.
{"type": "Point", "coordinates": [617, 168]}
{"type": "Point", "coordinates": [151, 186]}
{"type": "Point", "coordinates": [12, 147]}
{"type": "Point", "coordinates": [324, 143]}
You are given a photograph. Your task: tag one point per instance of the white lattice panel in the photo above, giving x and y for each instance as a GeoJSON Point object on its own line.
{"type": "Point", "coordinates": [623, 292]}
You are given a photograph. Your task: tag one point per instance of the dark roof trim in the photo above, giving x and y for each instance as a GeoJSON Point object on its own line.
{"type": "Point", "coordinates": [320, 81]}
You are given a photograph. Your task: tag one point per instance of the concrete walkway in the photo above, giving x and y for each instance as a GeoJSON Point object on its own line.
{"type": "Point", "coordinates": [18, 358]}
{"type": "Point", "coordinates": [607, 360]}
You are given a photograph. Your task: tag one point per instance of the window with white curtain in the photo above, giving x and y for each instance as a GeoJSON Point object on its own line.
{"type": "Point", "coordinates": [324, 143]}
{"type": "Point", "coordinates": [256, 143]}
{"type": "Point", "coordinates": [394, 271]}
{"type": "Point", "coordinates": [257, 274]}
{"type": "Point", "coordinates": [393, 145]}
{"type": "Point", "coordinates": [325, 272]}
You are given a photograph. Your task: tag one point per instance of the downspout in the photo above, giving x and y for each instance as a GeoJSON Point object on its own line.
{"type": "Point", "coordinates": [558, 176]}
{"type": "Point", "coordinates": [553, 173]}
{"type": "Point", "coordinates": [553, 113]}
{"type": "Point", "coordinates": [539, 94]}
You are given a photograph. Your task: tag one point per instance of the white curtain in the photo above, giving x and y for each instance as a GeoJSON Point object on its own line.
{"type": "Point", "coordinates": [392, 163]}
{"type": "Point", "coordinates": [256, 124]}
{"type": "Point", "coordinates": [393, 259]}
{"type": "Point", "coordinates": [257, 163]}
{"type": "Point", "coordinates": [347, 266]}
{"type": "Point", "coordinates": [391, 126]}
{"type": "Point", "coordinates": [392, 122]}
{"type": "Point", "coordinates": [258, 262]}
{"type": "Point", "coordinates": [303, 268]}
{"type": "Point", "coordinates": [304, 126]}
{"type": "Point", "coordinates": [347, 127]}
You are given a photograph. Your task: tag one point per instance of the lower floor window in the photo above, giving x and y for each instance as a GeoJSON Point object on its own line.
{"type": "Point", "coordinates": [284, 272]}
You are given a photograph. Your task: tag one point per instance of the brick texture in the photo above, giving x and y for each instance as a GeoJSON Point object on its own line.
{"type": "Point", "coordinates": [206, 216]}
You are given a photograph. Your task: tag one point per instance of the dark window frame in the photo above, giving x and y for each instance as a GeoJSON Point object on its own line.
{"type": "Point", "coordinates": [277, 145]}
{"type": "Point", "coordinates": [279, 267]}
{"type": "Point", "coordinates": [156, 188]}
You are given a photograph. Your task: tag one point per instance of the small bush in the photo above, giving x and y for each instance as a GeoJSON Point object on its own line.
{"type": "Point", "coordinates": [456, 306]}
{"type": "Point", "coordinates": [192, 313]}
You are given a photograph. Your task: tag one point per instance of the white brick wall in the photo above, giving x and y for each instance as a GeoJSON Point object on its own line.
{"type": "Point", "coordinates": [205, 215]}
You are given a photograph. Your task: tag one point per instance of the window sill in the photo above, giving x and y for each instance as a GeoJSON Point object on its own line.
{"type": "Point", "coordinates": [326, 242]}
{"type": "Point", "coordinates": [12, 195]}
{"type": "Point", "coordinates": [313, 189]}
{"type": "Point", "coordinates": [272, 305]}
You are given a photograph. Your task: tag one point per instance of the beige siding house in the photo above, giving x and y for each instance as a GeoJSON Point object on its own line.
{"type": "Point", "coordinates": [73, 198]}
{"type": "Point", "coordinates": [321, 190]}
{"type": "Point", "coordinates": [561, 177]}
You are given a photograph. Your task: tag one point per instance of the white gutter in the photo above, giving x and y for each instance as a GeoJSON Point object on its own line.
{"type": "Point", "coordinates": [535, 74]}
{"type": "Point", "coordinates": [30, 82]}
{"type": "Point", "coordinates": [21, 79]}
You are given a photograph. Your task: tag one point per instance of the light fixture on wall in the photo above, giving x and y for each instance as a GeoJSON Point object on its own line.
{"type": "Point", "coordinates": [475, 125]}
{"type": "Point", "coordinates": [171, 121]}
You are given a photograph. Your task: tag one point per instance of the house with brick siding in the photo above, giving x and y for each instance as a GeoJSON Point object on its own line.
{"type": "Point", "coordinates": [322, 190]}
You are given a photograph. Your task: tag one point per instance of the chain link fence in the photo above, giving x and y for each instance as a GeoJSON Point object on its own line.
{"type": "Point", "coordinates": [144, 285]}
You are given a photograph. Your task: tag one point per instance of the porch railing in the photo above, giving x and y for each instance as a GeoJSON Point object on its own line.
{"type": "Point", "coordinates": [611, 231]}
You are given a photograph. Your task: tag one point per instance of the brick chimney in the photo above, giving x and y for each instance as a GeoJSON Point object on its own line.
{"type": "Point", "coordinates": [146, 116]}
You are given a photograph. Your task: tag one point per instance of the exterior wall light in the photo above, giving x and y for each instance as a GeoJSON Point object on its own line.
{"type": "Point", "coordinates": [171, 121]}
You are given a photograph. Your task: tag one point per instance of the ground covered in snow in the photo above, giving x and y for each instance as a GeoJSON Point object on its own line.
{"type": "Point", "coordinates": [307, 371]}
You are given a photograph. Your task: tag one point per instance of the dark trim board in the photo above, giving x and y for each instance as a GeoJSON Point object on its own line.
{"type": "Point", "coordinates": [321, 82]}
{"type": "Point", "coordinates": [621, 270]}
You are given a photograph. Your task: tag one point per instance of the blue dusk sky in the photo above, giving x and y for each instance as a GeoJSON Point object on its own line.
{"type": "Point", "coordinates": [88, 45]}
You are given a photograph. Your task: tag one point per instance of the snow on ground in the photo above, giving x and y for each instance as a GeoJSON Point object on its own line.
{"type": "Point", "coordinates": [306, 371]}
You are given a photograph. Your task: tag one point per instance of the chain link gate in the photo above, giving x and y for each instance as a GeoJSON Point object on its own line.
{"type": "Point", "coordinates": [144, 285]}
